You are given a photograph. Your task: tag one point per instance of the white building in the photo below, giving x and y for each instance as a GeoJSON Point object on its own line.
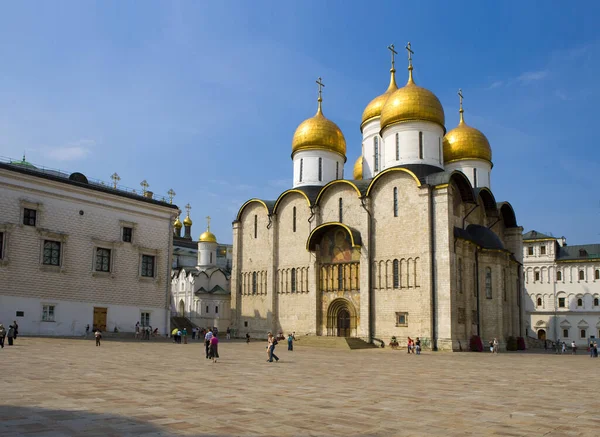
{"type": "Point", "coordinates": [200, 291]}
{"type": "Point", "coordinates": [562, 288]}
{"type": "Point", "coordinates": [75, 252]}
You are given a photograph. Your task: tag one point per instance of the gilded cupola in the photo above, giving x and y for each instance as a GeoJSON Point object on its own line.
{"type": "Point", "coordinates": [319, 133]}
{"type": "Point", "coordinates": [358, 169]}
{"type": "Point", "coordinates": [207, 236]}
{"type": "Point", "coordinates": [177, 224]}
{"type": "Point", "coordinates": [187, 221]}
{"type": "Point", "coordinates": [411, 103]}
{"type": "Point", "coordinates": [466, 142]}
{"type": "Point", "coordinates": [373, 109]}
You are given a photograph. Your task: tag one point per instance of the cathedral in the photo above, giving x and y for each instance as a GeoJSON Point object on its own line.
{"type": "Point", "coordinates": [413, 245]}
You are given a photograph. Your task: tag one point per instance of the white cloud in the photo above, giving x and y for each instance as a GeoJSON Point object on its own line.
{"type": "Point", "coordinates": [532, 76]}
{"type": "Point", "coordinates": [496, 84]}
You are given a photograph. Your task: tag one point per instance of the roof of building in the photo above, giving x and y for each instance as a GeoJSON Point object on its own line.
{"type": "Point", "coordinates": [581, 252]}
{"type": "Point", "coordinates": [79, 180]}
{"type": "Point", "coordinates": [481, 236]}
{"type": "Point", "coordinates": [535, 235]}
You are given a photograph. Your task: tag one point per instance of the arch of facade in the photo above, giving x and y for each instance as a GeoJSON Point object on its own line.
{"type": "Point", "coordinates": [341, 318]}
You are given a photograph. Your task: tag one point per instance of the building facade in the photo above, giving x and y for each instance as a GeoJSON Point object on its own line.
{"type": "Point", "coordinates": [562, 288]}
{"type": "Point", "coordinates": [414, 245]}
{"type": "Point", "coordinates": [74, 252]}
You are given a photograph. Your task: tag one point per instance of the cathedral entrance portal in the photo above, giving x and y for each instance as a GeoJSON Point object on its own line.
{"type": "Point", "coordinates": [341, 319]}
{"type": "Point", "coordinates": [541, 334]}
{"type": "Point", "coordinates": [343, 323]}
{"type": "Point", "coordinates": [181, 308]}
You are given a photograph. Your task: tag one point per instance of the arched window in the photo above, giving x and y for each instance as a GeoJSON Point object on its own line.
{"type": "Point", "coordinates": [581, 275]}
{"type": "Point", "coordinates": [579, 302]}
{"type": "Point", "coordinates": [293, 278]}
{"type": "Point", "coordinates": [440, 148]}
{"type": "Point", "coordinates": [558, 275]}
{"type": "Point", "coordinates": [397, 147]}
{"type": "Point", "coordinates": [536, 276]}
{"type": "Point", "coordinates": [376, 157]}
{"type": "Point", "coordinates": [420, 145]}
{"type": "Point", "coordinates": [340, 278]}
{"type": "Point", "coordinates": [475, 177]}
{"type": "Point", "coordinates": [395, 201]}
{"type": "Point", "coordinates": [396, 274]}
{"type": "Point", "coordinates": [320, 169]}
{"type": "Point", "coordinates": [254, 283]}
{"type": "Point", "coordinates": [596, 303]}
{"type": "Point", "coordinates": [597, 274]}
{"type": "Point", "coordinates": [488, 283]}
{"type": "Point", "coordinates": [539, 301]}
{"type": "Point", "coordinates": [294, 219]}
{"type": "Point", "coordinates": [340, 209]}
{"type": "Point", "coordinates": [301, 168]}
{"type": "Point", "coordinates": [460, 276]}
{"type": "Point", "coordinates": [211, 258]}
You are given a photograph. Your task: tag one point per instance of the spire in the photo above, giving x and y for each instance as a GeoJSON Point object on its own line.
{"type": "Point", "coordinates": [207, 223]}
{"type": "Point", "coordinates": [461, 110]}
{"type": "Point", "coordinates": [410, 66]}
{"type": "Point", "coordinates": [392, 86]}
{"type": "Point", "coordinates": [320, 99]}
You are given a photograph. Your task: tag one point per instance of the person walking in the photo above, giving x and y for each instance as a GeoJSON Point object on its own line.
{"type": "Point", "coordinates": [184, 333]}
{"type": "Point", "coordinates": [10, 334]}
{"type": "Point", "coordinates": [98, 336]}
{"type": "Point", "coordinates": [228, 333]}
{"type": "Point", "coordinates": [193, 333]}
{"type": "Point", "coordinates": [495, 345]}
{"type": "Point", "coordinates": [214, 348]}
{"type": "Point", "coordinates": [595, 350]}
{"type": "Point", "coordinates": [207, 338]}
{"type": "Point", "coordinates": [418, 346]}
{"type": "Point", "coordinates": [16, 327]}
{"type": "Point", "coordinates": [290, 341]}
{"type": "Point", "coordinates": [564, 347]}
{"type": "Point", "coordinates": [137, 330]}
{"type": "Point", "coordinates": [271, 343]}
{"type": "Point", "coordinates": [2, 335]}
{"type": "Point", "coordinates": [409, 344]}
{"type": "Point", "coordinates": [247, 337]}
{"type": "Point", "coordinates": [573, 347]}
{"type": "Point", "coordinates": [87, 330]}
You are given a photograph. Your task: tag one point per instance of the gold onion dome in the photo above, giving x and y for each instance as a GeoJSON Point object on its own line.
{"type": "Point", "coordinates": [208, 237]}
{"type": "Point", "coordinates": [466, 142]}
{"type": "Point", "coordinates": [412, 103]}
{"type": "Point", "coordinates": [177, 224]}
{"type": "Point", "coordinates": [358, 169]}
{"type": "Point", "coordinates": [373, 109]}
{"type": "Point", "coordinates": [187, 221]}
{"type": "Point", "coordinates": [319, 133]}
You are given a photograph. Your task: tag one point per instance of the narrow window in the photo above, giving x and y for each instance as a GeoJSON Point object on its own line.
{"type": "Point", "coordinates": [397, 147]}
{"type": "Point", "coordinates": [440, 149]}
{"type": "Point", "coordinates": [145, 319]}
{"type": "Point", "coordinates": [48, 313]}
{"type": "Point", "coordinates": [559, 275]}
{"type": "Point", "coordinates": [565, 333]}
{"type": "Point", "coordinates": [216, 309]}
{"type": "Point", "coordinates": [596, 273]}
{"type": "Point", "coordinates": [206, 309]}
{"type": "Point", "coordinates": [320, 169]}
{"type": "Point", "coordinates": [147, 266]}
{"type": "Point", "coordinates": [561, 302]}
{"type": "Point", "coordinates": [543, 250]}
{"type": "Point", "coordinates": [537, 276]}
{"type": "Point", "coordinates": [530, 250]}
{"type": "Point", "coordinates": [420, 145]}
{"type": "Point", "coordinates": [301, 168]}
{"type": "Point", "coordinates": [582, 333]}
{"type": "Point", "coordinates": [579, 302]}
{"type": "Point", "coordinates": [211, 258]}
{"type": "Point", "coordinates": [51, 253]}
{"type": "Point", "coordinates": [294, 219]}
{"type": "Point", "coordinates": [595, 301]}
{"type": "Point", "coordinates": [340, 208]}
{"type": "Point", "coordinates": [475, 177]}
{"type": "Point", "coordinates": [1, 245]}
{"type": "Point", "coordinates": [539, 302]}
{"type": "Point", "coordinates": [293, 278]}
{"type": "Point", "coordinates": [127, 234]}
{"type": "Point", "coordinates": [376, 143]}
{"type": "Point", "coordinates": [488, 283]}
{"type": "Point", "coordinates": [29, 216]}
{"type": "Point", "coordinates": [460, 276]}
{"type": "Point", "coordinates": [255, 226]}
{"type": "Point", "coordinates": [581, 275]}
{"type": "Point", "coordinates": [340, 278]}
{"type": "Point", "coordinates": [102, 260]}
{"type": "Point", "coordinates": [395, 201]}
{"type": "Point", "coordinates": [337, 170]}
{"type": "Point", "coordinates": [254, 283]}
{"type": "Point", "coordinates": [396, 274]}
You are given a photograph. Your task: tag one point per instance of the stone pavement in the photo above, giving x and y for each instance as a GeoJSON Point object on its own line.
{"type": "Point", "coordinates": [66, 387]}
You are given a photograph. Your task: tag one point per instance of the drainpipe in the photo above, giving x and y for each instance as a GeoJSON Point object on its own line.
{"type": "Point", "coordinates": [433, 277]}
{"type": "Point", "coordinates": [371, 320]}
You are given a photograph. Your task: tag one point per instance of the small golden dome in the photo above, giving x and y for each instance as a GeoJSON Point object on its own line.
{"type": "Point", "coordinates": [319, 133]}
{"type": "Point", "coordinates": [177, 224]}
{"type": "Point", "coordinates": [187, 221]}
{"type": "Point", "coordinates": [358, 169]}
{"type": "Point", "coordinates": [466, 142]}
{"type": "Point", "coordinates": [373, 109]}
{"type": "Point", "coordinates": [412, 103]}
{"type": "Point", "coordinates": [208, 237]}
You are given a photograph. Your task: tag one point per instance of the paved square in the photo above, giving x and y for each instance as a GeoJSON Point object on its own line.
{"type": "Point", "coordinates": [61, 387]}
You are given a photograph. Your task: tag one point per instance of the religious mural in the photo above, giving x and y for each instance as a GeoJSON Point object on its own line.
{"type": "Point", "coordinates": [336, 247]}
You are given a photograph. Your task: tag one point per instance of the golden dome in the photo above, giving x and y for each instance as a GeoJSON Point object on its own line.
{"type": "Point", "coordinates": [358, 169]}
{"type": "Point", "coordinates": [373, 109]}
{"type": "Point", "coordinates": [466, 142]}
{"type": "Point", "coordinates": [177, 224]}
{"type": "Point", "coordinates": [319, 133]}
{"type": "Point", "coordinates": [187, 221]}
{"type": "Point", "coordinates": [412, 103]}
{"type": "Point", "coordinates": [208, 237]}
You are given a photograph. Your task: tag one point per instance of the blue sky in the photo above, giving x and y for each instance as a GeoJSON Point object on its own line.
{"type": "Point", "coordinates": [204, 97]}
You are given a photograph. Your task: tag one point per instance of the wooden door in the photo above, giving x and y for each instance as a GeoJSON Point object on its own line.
{"type": "Point", "coordinates": [343, 323]}
{"type": "Point", "coordinates": [100, 318]}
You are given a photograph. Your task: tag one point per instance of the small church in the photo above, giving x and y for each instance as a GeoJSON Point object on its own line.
{"type": "Point", "coordinates": [412, 244]}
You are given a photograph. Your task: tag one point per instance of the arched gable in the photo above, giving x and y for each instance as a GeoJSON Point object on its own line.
{"type": "Point", "coordinates": [333, 183]}
{"type": "Point", "coordinates": [317, 233]}
{"type": "Point", "coordinates": [508, 214]}
{"type": "Point", "coordinates": [289, 192]}
{"type": "Point", "coordinates": [267, 205]}
{"type": "Point", "coordinates": [388, 171]}
{"type": "Point", "coordinates": [464, 186]}
{"type": "Point", "coordinates": [488, 201]}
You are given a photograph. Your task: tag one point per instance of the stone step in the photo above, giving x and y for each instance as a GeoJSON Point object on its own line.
{"type": "Point", "coordinates": [344, 343]}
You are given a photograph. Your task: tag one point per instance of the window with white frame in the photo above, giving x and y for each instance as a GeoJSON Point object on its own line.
{"type": "Point", "coordinates": [145, 318]}
{"type": "Point", "coordinates": [401, 319]}
{"type": "Point", "coordinates": [530, 250]}
{"type": "Point", "coordinates": [102, 263]}
{"type": "Point", "coordinates": [536, 276]}
{"type": "Point", "coordinates": [596, 302]}
{"type": "Point", "coordinates": [147, 270]}
{"type": "Point", "coordinates": [579, 302]}
{"type": "Point", "coordinates": [543, 250]}
{"type": "Point", "coordinates": [561, 302]}
{"type": "Point", "coordinates": [539, 302]}
{"type": "Point", "coordinates": [581, 275]}
{"type": "Point", "coordinates": [47, 313]}
{"type": "Point", "coordinates": [51, 253]}
{"type": "Point", "coordinates": [559, 275]}
{"type": "Point", "coordinates": [583, 333]}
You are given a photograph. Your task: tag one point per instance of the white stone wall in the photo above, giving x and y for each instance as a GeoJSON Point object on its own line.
{"type": "Point", "coordinates": [332, 167]}
{"type": "Point", "coordinates": [408, 138]}
{"type": "Point", "coordinates": [468, 166]}
{"type": "Point", "coordinates": [82, 220]}
{"type": "Point", "coordinates": [370, 130]}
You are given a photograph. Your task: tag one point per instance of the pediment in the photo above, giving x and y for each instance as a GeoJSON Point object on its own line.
{"type": "Point", "coordinates": [583, 324]}
{"type": "Point", "coordinates": [565, 324]}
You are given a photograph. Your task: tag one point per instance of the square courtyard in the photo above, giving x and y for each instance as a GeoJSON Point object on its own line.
{"type": "Point", "coordinates": [65, 387]}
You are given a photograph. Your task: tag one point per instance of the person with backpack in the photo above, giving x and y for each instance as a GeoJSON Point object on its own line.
{"type": "Point", "coordinates": [290, 341]}
{"type": "Point", "coordinates": [98, 336]}
{"type": "Point", "coordinates": [271, 343]}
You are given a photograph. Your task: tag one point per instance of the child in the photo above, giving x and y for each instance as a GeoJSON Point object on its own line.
{"type": "Point", "coordinates": [290, 342]}
{"type": "Point", "coordinates": [98, 336]}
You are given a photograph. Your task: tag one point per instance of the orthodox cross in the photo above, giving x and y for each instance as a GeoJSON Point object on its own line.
{"type": "Point", "coordinates": [188, 209]}
{"type": "Point", "coordinates": [410, 53]}
{"type": "Point", "coordinates": [321, 85]}
{"type": "Point", "coordinates": [115, 178]}
{"type": "Point", "coordinates": [171, 194]}
{"type": "Point", "coordinates": [208, 223]}
{"type": "Point", "coordinates": [144, 185]}
{"type": "Point", "coordinates": [460, 96]}
{"type": "Point", "coordinates": [394, 52]}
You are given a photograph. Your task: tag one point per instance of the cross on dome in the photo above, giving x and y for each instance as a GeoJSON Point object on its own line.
{"type": "Point", "coordinates": [188, 208]}
{"type": "Point", "coordinates": [171, 194]}
{"type": "Point", "coordinates": [394, 52]}
{"type": "Point", "coordinates": [321, 86]}
{"type": "Point", "coordinates": [115, 178]}
{"type": "Point", "coordinates": [208, 223]}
